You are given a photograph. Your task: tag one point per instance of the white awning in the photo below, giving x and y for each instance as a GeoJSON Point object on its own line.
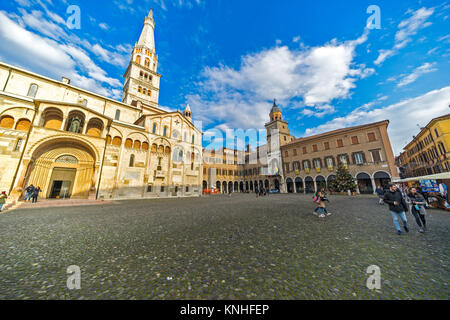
{"type": "Point", "coordinates": [437, 176]}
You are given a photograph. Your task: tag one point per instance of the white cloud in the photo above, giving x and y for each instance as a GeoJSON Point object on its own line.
{"type": "Point", "coordinates": [403, 116]}
{"type": "Point", "coordinates": [47, 56]}
{"type": "Point", "coordinates": [417, 72]}
{"type": "Point", "coordinates": [316, 76]}
{"type": "Point", "coordinates": [406, 29]}
{"type": "Point", "coordinates": [103, 26]}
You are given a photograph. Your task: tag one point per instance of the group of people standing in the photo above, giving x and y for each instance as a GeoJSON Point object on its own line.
{"type": "Point", "coordinates": [400, 203]}
{"type": "Point", "coordinates": [32, 193]}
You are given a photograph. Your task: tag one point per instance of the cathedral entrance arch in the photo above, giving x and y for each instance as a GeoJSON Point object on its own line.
{"type": "Point", "coordinates": [62, 168]}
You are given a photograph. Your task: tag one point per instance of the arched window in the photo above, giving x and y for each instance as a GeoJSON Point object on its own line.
{"type": "Point", "coordinates": [165, 131]}
{"type": "Point", "coordinates": [138, 59]}
{"type": "Point", "coordinates": [193, 139]}
{"type": "Point", "coordinates": [23, 125]}
{"type": "Point", "coordinates": [75, 122]}
{"type": "Point", "coordinates": [154, 128]}
{"type": "Point", "coordinates": [67, 159]}
{"type": "Point", "coordinates": [108, 139]}
{"type": "Point", "coordinates": [116, 141]}
{"type": "Point", "coordinates": [32, 91]}
{"type": "Point", "coordinates": [139, 89]}
{"type": "Point", "coordinates": [137, 145]}
{"type": "Point", "coordinates": [144, 145]}
{"type": "Point", "coordinates": [131, 164]}
{"type": "Point", "coordinates": [128, 143]}
{"type": "Point", "coordinates": [52, 118]}
{"type": "Point", "coordinates": [144, 91]}
{"type": "Point", "coordinates": [177, 155]}
{"type": "Point", "coordinates": [147, 62]}
{"type": "Point", "coordinates": [94, 127]}
{"type": "Point", "coordinates": [117, 116]}
{"type": "Point", "coordinates": [145, 76]}
{"type": "Point", "coordinates": [7, 122]}
{"type": "Point", "coordinates": [149, 93]}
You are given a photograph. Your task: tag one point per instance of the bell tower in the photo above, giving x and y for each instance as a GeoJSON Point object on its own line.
{"type": "Point", "coordinates": [277, 128]}
{"type": "Point", "coordinates": [141, 78]}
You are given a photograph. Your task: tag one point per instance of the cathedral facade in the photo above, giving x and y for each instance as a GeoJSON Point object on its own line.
{"type": "Point", "coordinates": [73, 143]}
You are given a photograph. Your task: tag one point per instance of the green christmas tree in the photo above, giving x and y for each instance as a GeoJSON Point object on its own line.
{"type": "Point", "coordinates": [344, 181]}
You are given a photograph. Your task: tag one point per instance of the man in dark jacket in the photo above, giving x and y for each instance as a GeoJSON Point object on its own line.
{"type": "Point", "coordinates": [397, 206]}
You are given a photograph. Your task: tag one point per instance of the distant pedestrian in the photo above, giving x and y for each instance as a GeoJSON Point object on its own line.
{"type": "Point", "coordinates": [380, 192]}
{"type": "Point", "coordinates": [29, 192]}
{"type": "Point", "coordinates": [397, 207]}
{"type": "Point", "coordinates": [256, 192]}
{"type": "Point", "coordinates": [320, 199]}
{"type": "Point", "coordinates": [229, 192]}
{"type": "Point", "coordinates": [36, 194]}
{"type": "Point", "coordinates": [3, 198]}
{"type": "Point", "coordinates": [418, 209]}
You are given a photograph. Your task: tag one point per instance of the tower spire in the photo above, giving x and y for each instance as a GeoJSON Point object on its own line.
{"type": "Point", "coordinates": [147, 37]}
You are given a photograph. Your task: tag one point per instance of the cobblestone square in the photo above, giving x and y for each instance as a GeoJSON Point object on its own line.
{"type": "Point", "coordinates": [220, 247]}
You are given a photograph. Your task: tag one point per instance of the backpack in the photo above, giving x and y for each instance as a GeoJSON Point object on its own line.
{"type": "Point", "coordinates": [316, 199]}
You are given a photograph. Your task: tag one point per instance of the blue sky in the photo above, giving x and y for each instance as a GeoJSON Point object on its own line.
{"type": "Point", "coordinates": [229, 59]}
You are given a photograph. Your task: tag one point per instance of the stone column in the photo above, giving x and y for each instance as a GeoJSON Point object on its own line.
{"type": "Point", "coordinates": [374, 186]}
{"type": "Point", "coordinates": [315, 186]}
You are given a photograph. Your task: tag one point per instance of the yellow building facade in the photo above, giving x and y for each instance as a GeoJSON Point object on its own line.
{"type": "Point", "coordinates": [73, 143]}
{"type": "Point", "coordinates": [429, 151]}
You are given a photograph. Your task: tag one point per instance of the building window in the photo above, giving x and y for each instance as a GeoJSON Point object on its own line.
{"type": "Point", "coordinates": [355, 140]}
{"type": "Point", "coordinates": [138, 59]}
{"type": "Point", "coordinates": [154, 128]}
{"type": "Point", "coordinates": [326, 145]}
{"type": "Point", "coordinates": [187, 188]}
{"type": "Point", "coordinates": [295, 152]}
{"type": "Point", "coordinates": [165, 131]}
{"type": "Point", "coordinates": [149, 188]}
{"type": "Point", "coordinates": [317, 164]}
{"type": "Point", "coordinates": [304, 150]}
{"type": "Point", "coordinates": [287, 167]}
{"type": "Point", "coordinates": [314, 147]}
{"type": "Point", "coordinates": [193, 139]}
{"type": "Point", "coordinates": [436, 132]}
{"type": "Point", "coordinates": [32, 91]}
{"type": "Point", "coordinates": [306, 164]}
{"type": "Point", "coordinates": [18, 144]}
{"type": "Point", "coordinates": [358, 158]}
{"type": "Point", "coordinates": [286, 153]}
{"type": "Point", "coordinates": [162, 188]}
{"type": "Point", "coordinates": [340, 143]}
{"type": "Point", "coordinates": [376, 157]}
{"type": "Point", "coordinates": [329, 162]}
{"type": "Point", "coordinates": [131, 164]}
{"type": "Point", "coordinates": [117, 116]}
{"type": "Point", "coordinates": [371, 136]}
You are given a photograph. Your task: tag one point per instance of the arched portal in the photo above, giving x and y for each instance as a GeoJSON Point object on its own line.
{"type": "Point", "coordinates": [246, 185]}
{"type": "Point", "coordinates": [364, 183]}
{"type": "Point", "coordinates": [266, 184]}
{"type": "Point", "coordinates": [236, 186]}
{"type": "Point", "coordinates": [382, 179]}
{"type": "Point", "coordinates": [230, 186]}
{"type": "Point", "coordinates": [205, 185]}
{"type": "Point", "coordinates": [330, 179]}
{"type": "Point", "coordinates": [321, 184]}
{"type": "Point", "coordinates": [224, 187]}
{"type": "Point", "coordinates": [290, 185]}
{"type": "Point", "coordinates": [309, 185]}
{"type": "Point", "coordinates": [277, 184]}
{"type": "Point", "coordinates": [251, 185]}
{"type": "Point", "coordinates": [241, 186]}
{"type": "Point", "coordinates": [299, 185]}
{"type": "Point", "coordinates": [62, 168]}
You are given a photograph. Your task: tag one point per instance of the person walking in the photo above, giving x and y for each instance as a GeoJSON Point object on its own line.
{"type": "Point", "coordinates": [36, 194]}
{"type": "Point", "coordinates": [229, 192]}
{"type": "Point", "coordinates": [29, 192]}
{"type": "Point", "coordinates": [418, 209]}
{"type": "Point", "coordinates": [3, 198]}
{"type": "Point", "coordinates": [380, 192]}
{"type": "Point", "coordinates": [256, 191]}
{"type": "Point", "coordinates": [397, 207]}
{"type": "Point", "coordinates": [320, 198]}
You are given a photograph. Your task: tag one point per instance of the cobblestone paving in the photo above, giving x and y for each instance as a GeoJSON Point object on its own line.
{"type": "Point", "coordinates": [220, 247]}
